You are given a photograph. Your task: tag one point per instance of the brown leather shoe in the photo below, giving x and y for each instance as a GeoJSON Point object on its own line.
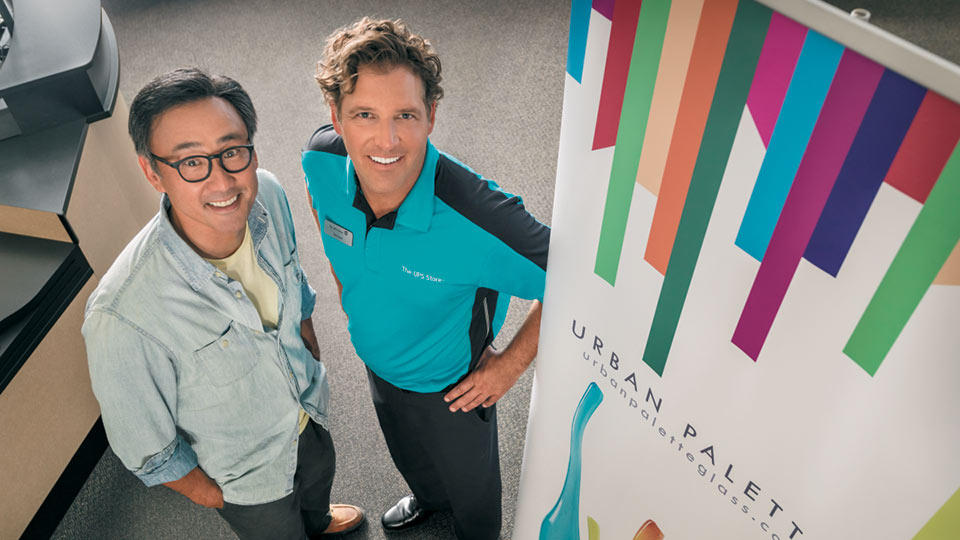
{"type": "Point", "coordinates": [346, 518]}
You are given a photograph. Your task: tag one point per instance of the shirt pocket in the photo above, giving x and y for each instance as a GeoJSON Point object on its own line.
{"type": "Point", "coordinates": [229, 358]}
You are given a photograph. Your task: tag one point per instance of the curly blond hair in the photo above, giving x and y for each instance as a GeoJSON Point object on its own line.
{"type": "Point", "coordinates": [382, 43]}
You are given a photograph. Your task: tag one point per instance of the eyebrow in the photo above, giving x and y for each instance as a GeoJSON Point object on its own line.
{"type": "Point", "coordinates": [369, 108]}
{"type": "Point", "coordinates": [193, 144]}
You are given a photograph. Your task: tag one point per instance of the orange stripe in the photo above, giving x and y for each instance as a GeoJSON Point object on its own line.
{"type": "Point", "coordinates": [677, 47]}
{"type": "Point", "coordinates": [716, 20]}
{"type": "Point", "coordinates": [950, 271]}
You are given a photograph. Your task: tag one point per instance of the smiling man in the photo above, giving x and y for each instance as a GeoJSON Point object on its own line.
{"type": "Point", "coordinates": [426, 254]}
{"type": "Point", "coordinates": [201, 348]}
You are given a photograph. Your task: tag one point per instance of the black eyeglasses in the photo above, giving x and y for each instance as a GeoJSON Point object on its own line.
{"type": "Point", "coordinates": [198, 168]}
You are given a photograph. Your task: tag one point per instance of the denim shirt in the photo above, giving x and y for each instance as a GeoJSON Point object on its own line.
{"type": "Point", "coordinates": [184, 370]}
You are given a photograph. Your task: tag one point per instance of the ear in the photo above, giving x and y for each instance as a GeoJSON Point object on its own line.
{"type": "Point", "coordinates": [433, 116]}
{"type": "Point", "coordinates": [334, 120]}
{"type": "Point", "coordinates": [146, 165]}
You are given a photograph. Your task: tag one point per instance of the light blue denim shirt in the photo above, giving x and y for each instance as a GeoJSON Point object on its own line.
{"type": "Point", "coordinates": [184, 370]}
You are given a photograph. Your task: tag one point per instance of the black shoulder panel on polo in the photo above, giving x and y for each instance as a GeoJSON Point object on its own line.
{"type": "Point", "coordinates": [494, 211]}
{"type": "Point", "coordinates": [325, 139]}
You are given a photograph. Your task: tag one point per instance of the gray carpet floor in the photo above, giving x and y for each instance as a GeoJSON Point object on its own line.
{"type": "Point", "coordinates": [504, 64]}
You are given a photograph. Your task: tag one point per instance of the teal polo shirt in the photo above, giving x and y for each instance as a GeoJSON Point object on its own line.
{"type": "Point", "coordinates": [426, 287]}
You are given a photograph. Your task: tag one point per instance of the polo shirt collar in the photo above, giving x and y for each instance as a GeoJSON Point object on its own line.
{"type": "Point", "coordinates": [416, 210]}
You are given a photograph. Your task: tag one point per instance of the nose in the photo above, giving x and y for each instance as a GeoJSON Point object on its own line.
{"type": "Point", "coordinates": [387, 134]}
{"type": "Point", "coordinates": [219, 178]}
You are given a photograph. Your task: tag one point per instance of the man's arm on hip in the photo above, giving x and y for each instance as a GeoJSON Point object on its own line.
{"type": "Point", "coordinates": [497, 371]}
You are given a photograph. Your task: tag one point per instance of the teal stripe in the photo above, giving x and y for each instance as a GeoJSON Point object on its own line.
{"type": "Point", "coordinates": [577, 44]}
{"type": "Point", "coordinates": [801, 107]}
{"type": "Point", "coordinates": [929, 243]}
{"type": "Point", "coordinates": [644, 62]}
{"type": "Point", "coordinates": [730, 97]}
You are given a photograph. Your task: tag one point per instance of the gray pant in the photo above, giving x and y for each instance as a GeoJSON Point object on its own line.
{"type": "Point", "coordinates": [449, 460]}
{"type": "Point", "coordinates": [302, 513]}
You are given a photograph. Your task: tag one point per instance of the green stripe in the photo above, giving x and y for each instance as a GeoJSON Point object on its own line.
{"type": "Point", "coordinates": [644, 62]}
{"type": "Point", "coordinates": [945, 523]}
{"type": "Point", "coordinates": [730, 97]}
{"type": "Point", "coordinates": [928, 245]}
{"type": "Point", "coordinates": [593, 529]}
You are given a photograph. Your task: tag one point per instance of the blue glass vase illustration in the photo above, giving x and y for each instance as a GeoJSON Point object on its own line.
{"type": "Point", "coordinates": [562, 522]}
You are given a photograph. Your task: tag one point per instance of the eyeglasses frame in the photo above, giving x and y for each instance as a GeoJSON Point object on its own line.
{"type": "Point", "coordinates": [209, 157]}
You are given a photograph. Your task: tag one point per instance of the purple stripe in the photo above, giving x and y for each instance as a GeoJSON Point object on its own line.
{"type": "Point", "coordinates": [604, 7]}
{"type": "Point", "coordinates": [886, 123]}
{"type": "Point", "coordinates": [843, 109]}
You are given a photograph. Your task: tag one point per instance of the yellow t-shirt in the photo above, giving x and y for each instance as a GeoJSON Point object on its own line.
{"type": "Point", "coordinates": [260, 288]}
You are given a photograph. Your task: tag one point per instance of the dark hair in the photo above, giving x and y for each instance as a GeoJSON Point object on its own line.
{"type": "Point", "coordinates": [382, 43]}
{"type": "Point", "coordinates": [183, 86]}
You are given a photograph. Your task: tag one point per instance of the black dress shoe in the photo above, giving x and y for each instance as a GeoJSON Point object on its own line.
{"type": "Point", "coordinates": [406, 513]}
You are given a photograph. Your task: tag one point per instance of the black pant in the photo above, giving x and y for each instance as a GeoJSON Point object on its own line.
{"type": "Point", "coordinates": [306, 511]}
{"type": "Point", "coordinates": [449, 460]}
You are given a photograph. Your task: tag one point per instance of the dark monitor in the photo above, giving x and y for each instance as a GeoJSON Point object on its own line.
{"type": "Point", "coordinates": [6, 27]}
{"type": "Point", "coordinates": [6, 14]}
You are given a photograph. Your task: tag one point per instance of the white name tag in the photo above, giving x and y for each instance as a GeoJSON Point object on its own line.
{"type": "Point", "coordinates": [338, 232]}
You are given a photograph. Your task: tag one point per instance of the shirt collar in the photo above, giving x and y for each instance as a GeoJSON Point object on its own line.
{"type": "Point", "coordinates": [416, 210]}
{"type": "Point", "coordinates": [195, 269]}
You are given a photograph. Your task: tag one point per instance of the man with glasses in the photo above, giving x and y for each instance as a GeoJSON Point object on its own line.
{"type": "Point", "coordinates": [201, 348]}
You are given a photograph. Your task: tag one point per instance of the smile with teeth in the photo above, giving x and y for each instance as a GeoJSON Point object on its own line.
{"type": "Point", "coordinates": [385, 160]}
{"type": "Point", "coordinates": [223, 204]}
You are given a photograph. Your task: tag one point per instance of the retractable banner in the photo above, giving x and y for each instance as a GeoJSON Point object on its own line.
{"type": "Point", "coordinates": [750, 326]}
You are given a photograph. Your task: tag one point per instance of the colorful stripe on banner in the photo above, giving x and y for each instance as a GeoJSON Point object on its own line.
{"type": "Point", "coordinates": [604, 7]}
{"type": "Point", "coordinates": [888, 118]}
{"type": "Point", "coordinates": [633, 122]}
{"type": "Point", "coordinates": [577, 44]}
{"type": "Point", "coordinates": [674, 60]}
{"type": "Point", "coordinates": [925, 149]}
{"type": "Point", "coordinates": [801, 107]}
{"type": "Point", "coordinates": [698, 88]}
{"type": "Point", "coordinates": [622, 33]}
{"type": "Point", "coordinates": [843, 110]}
{"type": "Point", "coordinates": [777, 60]}
{"type": "Point", "coordinates": [945, 523]}
{"type": "Point", "coordinates": [929, 243]}
{"type": "Point", "coordinates": [950, 273]}
{"type": "Point", "coordinates": [739, 63]}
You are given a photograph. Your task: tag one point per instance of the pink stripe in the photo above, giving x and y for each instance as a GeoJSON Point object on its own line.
{"type": "Point", "coordinates": [619, 50]}
{"type": "Point", "coordinates": [774, 70]}
{"type": "Point", "coordinates": [843, 110]}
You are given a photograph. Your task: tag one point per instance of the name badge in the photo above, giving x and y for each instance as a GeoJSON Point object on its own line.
{"type": "Point", "coordinates": [340, 233]}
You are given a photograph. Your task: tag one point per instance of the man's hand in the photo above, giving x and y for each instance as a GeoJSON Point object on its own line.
{"type": "Point", "coordinates": [309, 337]}
{"type": "Point", "coordinates": [199, 488]}
{"type": "Point", "coordinates": [494, 375]}
{"type": "Point", "coordinates": [497, 372]}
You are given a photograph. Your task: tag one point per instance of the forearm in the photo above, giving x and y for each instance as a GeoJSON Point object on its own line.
{"type": "Point", "coordinates": [522, 349]}
{"type": "Point", "coordinates": [498, 371]}
{"type": "Point", "coordinates": [199, 488]}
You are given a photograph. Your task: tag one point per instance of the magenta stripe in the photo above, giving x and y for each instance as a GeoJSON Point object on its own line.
{"type": "Point", "coordinates": [604, 7]}
{"type": "Point", "coordinates": [774, 70]}
{"type": "Point", "coordinates": [843, 110]}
